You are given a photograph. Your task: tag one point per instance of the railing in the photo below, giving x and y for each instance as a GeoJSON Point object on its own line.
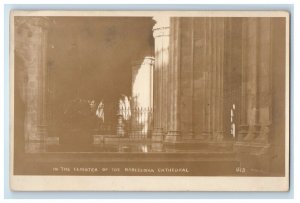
{"type": "Point", "coordinates": [133, 123]}
{"type": "Point", "coordinates": [107, 119]}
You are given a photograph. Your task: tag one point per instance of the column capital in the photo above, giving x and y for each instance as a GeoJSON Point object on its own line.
{"type": "Point", "coordinates": [162, 26]}
{"type": "Point", "coordinates": [143, 61]}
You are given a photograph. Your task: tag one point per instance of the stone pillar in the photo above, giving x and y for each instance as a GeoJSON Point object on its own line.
{"type": "Point", "coordinates": [142, 82]}
{"type": "Point", "coordinates": [252, 78]}
{"type": "Point", "coordinates": [219, 95]}
{"type": "Point", "coordinates": [256, 81]}
{"type": "Point", "coordinates": [30, 51]}
{"type": "Point", "coordinates": [207, 52]}
{"type": "Point", "coordinates": [243, 128]}
{"type": "Point", "coordinates": [232, 77]}
{"type": "Point", "coordinates": [253, 144]}
{"type": "Point", "coordinates": [174, 83]}
{"type": "Point", "coordinates": [198, 51]}
{"type": "Point", "coordinates": [142, 96]}
{"type": "Point", "coordinates": [213, 126]}
{"type": "Point", "coordinates": [187, 78]}
{"type": "Point", "coordinates": [161, 32]}
{"type": "Point", "coordinates": [265, 79]}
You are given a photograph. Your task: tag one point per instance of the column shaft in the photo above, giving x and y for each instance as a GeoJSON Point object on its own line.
{"type": "Point", "coordinates": [187, 78]}
{"type": "Point", "coordinates": [161, 34]}
{"type": "Point", "coordinates": [213, 125]}
{"type": "Point", "coordinates": [256, 81]}
{"type": "Point", "coordinates": [31, 46]}
{"type": "Point", "coordinates": [174, 93]}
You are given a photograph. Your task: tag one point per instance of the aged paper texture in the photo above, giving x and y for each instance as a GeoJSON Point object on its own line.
{"type": "Point", "coordinates": [149, 101]}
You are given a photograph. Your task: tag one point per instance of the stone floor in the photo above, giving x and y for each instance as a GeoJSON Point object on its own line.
{"type": "Point", "coordinates": [202, 157]}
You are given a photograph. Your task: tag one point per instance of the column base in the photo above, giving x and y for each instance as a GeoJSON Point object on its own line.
{"type": "Point", "coordinates": [35, 146]}
{"type": "Point", "coordinates": [218, 136]}
{"type": "Point", "coordinates": [188, 136]}
{"type": "Point", "coordinates": [206, 135]}
{"type": "Point", "coordinates": [253, 133]}
{"type": "Point", "coordinates": [242, 133]}
{"type": "Point", "coordinates": [42, 131]}
{"type": "Point", "coordinates": [52, 140]}
{"type": "Point", "coordinates": [173, 136]}
{"type": "Point", "coordinates": [157, 146]}
{"type": "Point", "coordinates": [263, 135]}
{"type": "Point", "coordinates": [199, 137]}
{"type": "Point", "coordinates": [157, 135]}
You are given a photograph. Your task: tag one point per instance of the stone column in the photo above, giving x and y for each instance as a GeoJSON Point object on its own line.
{"type": "Point", "coordinates": [243, 128]}
{"type": "Point", "coordinates": [142, 82]}
{"type": "Point", "coordinates": [265, 79]}
{"type": "Point", "coordinates": [219, 95]}
{"type": "Point", "coordinates": [142, 94]}
{"type": "Point", "coordinates": [30, 51]}
{"type": "Point", "coordinates": [174, 83]}
{"type": "Point", "coordinates": [232, 77]}
{"type": "Point", "coordinates": [198, 51]}
{"type": "Point", "coordinates": [213, 127]}
{"type": "Point", "coordinates": [256, 81]}
{"type": "Point", "coordinates": [207, 52]}
{"type": "Point", "coordinates": [161, 32]}
{"type": "Point", "coordinates": [252, 82]}
{"type": "Point", "coordinates": [187, 78]}
{"type": "Point", "coordinates": [253, 144]}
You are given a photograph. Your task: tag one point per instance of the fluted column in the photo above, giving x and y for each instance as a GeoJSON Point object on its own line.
{"type": "Point", "coordinates": [187, 78]}
{"type": "Point", "coordinates": [161, 32]}
{"type": "Point", "coordinates": [174, 83]}
{"type": "Point", "coordinates": [256, 81]}
{"type": "Point", "coordinates": [219, 97]}
{"type": "Point", "coordinates": [265, 79]}
{"type": "Point", "coordinates": [252, 82]}
{"type": "Point", "coordinates": [198, 52]}
{"type": "Point", "coordinates": [243, 128]}
{"type": "Point", "coordinates": [207, 52]}
{"type": "Point", "coordinates": [256, 96]}
{"type": "Point", "coordinates": [213, 125]}
{"type": "Point", "coordinates": [30, 50]}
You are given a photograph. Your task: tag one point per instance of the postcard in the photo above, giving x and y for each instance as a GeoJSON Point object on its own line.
{"type": "Point", "coordinates": [149, 100]}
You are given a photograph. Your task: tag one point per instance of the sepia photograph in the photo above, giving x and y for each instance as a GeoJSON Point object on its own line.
{"type": "Point", "coordinates": [149, 100]}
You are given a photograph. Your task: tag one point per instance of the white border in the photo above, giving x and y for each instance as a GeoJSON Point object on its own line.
{"type": "Point", "coordinates": [154, 13]}
{"type": "Point", "coordinates": [147, 183]}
